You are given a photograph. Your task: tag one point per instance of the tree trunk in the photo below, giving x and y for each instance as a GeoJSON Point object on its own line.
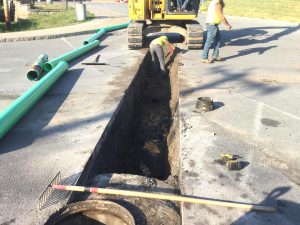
{"type": "Point", "coordinates": [7, 15]}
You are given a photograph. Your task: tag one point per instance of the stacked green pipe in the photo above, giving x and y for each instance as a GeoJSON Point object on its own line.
{"type": "Point", "coordinates": [71, 55]}
{"type": "Point", "coordinates": [56, 68]}
{"type": "Point", "coordinates": [11, 114]}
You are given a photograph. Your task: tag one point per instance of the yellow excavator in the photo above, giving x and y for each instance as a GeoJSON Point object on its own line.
{"type": "Point", "coordinates": [167, 16]}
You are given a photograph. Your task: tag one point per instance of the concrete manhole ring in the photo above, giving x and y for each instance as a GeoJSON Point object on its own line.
{"type": "Point", "coordinates": [92, 212]}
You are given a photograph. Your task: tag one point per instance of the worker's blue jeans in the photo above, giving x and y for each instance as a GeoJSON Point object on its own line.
{"type": "Point", "coordinates": [212, 40]}
{"type": "Point", "coordinates": [184, 5]}
{"type": "Point", "coordinates": [179, 4]}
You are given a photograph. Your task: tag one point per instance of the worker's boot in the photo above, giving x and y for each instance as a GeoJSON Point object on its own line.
{"type": "Point", "coordinates": [218, 59]}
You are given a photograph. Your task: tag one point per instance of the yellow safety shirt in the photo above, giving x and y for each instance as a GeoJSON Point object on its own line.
{"type": "Point", "coordinates": [212, 15]}
{"type": "Point", "coordinates": [159, 41]}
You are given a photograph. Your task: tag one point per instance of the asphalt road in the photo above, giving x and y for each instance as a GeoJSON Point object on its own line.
{"type": "Point", "coordinates": [60, 132]}
{"type": "Point", "coordinates": [257, 89]}
{"type": "Point", "coordinates": [257, 116]}
{"type": "Point", "coordinates": [121, 8]}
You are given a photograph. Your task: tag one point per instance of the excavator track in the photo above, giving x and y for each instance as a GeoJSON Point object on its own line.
{"type": "Point", "coordinates": [194, 36]}
{"type": "Point", "coordinates": [135, 35]}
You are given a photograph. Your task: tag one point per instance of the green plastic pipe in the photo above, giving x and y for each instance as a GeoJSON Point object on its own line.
{"type": "Point", "coordinates": [36, 69]}
{"type": "Point", "coordinates": [101, 31]}
{"type": "Point", "coordinates": [70, 55]}
{"type": "Point", "coordinates": [11, 114]}
{"type": "Point", "coordinates": [95, 36]}
{"type": "Point", "coordinates": [115, 27]}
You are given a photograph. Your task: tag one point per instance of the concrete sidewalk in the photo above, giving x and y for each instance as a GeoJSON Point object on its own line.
{"type": "Point", "coordinates": [103, 17]}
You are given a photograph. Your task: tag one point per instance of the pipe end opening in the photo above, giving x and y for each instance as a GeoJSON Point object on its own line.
{"type": "Point", "coordinates": [85, 42]}
{"type": "Point", "coordinates": [47, 67]}
{"type": "Point", "coordinates": [32, 75]}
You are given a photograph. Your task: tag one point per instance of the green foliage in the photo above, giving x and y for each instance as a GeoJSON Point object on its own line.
{"type": "Point", "coordinates": [287, 10]}
{"type": "Point", "coordinates": [35, 22]}
{"type": "Point", "coordinates": [44, 6]}
{"type": "Point", "coordinates": [1, 14]}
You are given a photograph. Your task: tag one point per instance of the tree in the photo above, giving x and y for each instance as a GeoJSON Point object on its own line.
{"type": "Point", "coordinates": [6, 14]}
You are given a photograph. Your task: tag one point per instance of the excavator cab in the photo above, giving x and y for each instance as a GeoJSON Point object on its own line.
{"type": "Point", "coordinates": [179, 6]}
{"type": "Point", "coordinates": [166, 16]}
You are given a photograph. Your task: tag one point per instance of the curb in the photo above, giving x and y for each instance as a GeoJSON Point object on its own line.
{"type": "Point", "coordinates": [51, 36]}
{"type": "Point", "coordinates": [72, 30]}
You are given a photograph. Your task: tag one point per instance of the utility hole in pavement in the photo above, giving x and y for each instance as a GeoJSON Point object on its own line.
{"type": "Point", "coordinates": [142, 137]}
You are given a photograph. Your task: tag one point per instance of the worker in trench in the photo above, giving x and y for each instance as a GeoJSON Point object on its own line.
{"type": "Point", "coordinates": [156, 50]}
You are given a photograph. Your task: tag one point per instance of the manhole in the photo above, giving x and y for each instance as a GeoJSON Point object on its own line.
{"type": "Point", "coordinates": [92, 212]}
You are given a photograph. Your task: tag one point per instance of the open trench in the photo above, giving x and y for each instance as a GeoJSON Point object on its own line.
{"type": "Point", "coordinates": [142, 135]}
{"type": "Point", "coordinates": [139, 149]}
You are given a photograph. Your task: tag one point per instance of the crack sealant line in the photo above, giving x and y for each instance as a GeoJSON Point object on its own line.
{"type": "Point", "coordinates": [68, 43]}
{"type": "Point", "coordinates": [270, 107]}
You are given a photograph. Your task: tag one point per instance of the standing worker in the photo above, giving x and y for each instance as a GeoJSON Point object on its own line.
{"type": "Point", "coordinates": [214, 17]}
{"type": "Point", "coordinates": [156, 47]}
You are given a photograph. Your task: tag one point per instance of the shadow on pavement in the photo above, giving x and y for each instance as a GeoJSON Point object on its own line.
{"type": "Point", "coordinates": [259, 51]}
{"type": "Point", "coordinates": [255, 35]}
{"type": "Point", "coordinates": [69, 126]}
{"type": "Point", "coordinates": [227, 77]}
{"type": "Point", "coordinates": [12, 221]}
{"type": "Point", "coordinates": [36, 119]}
{"type": "Point", "coordinates": [30, 126]}
{"type": "Point", "coordinates": [287, 211]}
